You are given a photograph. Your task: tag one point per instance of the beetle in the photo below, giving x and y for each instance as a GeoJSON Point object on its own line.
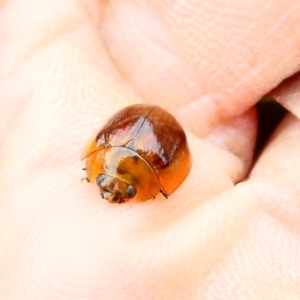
{"type": "Point", "coordinates": [142, 150]}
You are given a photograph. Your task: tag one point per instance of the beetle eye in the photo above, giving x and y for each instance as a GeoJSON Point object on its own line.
{"type": "Point", "coordinates": [100, 179]}
{"type": "Point", "coordinates": [130, 192]}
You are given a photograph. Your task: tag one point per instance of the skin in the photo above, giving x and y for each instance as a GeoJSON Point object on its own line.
{"type": "Point", "coordinates": [66, 66]}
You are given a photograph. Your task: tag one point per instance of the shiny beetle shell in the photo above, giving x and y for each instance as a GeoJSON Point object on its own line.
{"type": "Point", "coordinates": [141, 151]}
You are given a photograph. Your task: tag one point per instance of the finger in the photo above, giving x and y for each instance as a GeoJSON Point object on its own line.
{"type": "Point", "coordinates": [287, 94]}
{"type": "Point", "coordinates": [279, 166]}
{"type": "Point", "coordinates": [265, 256]}
{"type": "Point", "coordinates": [207, 54]}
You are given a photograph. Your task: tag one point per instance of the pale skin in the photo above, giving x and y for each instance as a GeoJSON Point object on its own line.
{"type": "Point", "coordinates": [66, 66]}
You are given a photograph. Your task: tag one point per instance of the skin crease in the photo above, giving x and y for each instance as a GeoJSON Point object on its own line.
{"type": "Point", "coordinates": [66, 66]}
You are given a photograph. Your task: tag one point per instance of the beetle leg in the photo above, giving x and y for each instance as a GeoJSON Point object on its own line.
{"type": "Point", "coordinates": [85, 180]}
{"type": "Point", "coordinates": [164, 194]}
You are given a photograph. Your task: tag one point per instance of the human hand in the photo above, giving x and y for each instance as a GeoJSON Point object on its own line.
{"type": "Point", "coordinates": [66, 67]}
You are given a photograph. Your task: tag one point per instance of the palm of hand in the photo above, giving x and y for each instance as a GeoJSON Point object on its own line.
{"type": "Point", "coordinates": [70, 66]}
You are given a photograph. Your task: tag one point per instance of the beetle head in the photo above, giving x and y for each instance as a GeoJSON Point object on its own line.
{"type": "Point", "coordinates": [115, 190]}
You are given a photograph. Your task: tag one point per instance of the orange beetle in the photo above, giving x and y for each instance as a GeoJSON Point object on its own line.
{"type": "Point", "coordinates": [141, 151]}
